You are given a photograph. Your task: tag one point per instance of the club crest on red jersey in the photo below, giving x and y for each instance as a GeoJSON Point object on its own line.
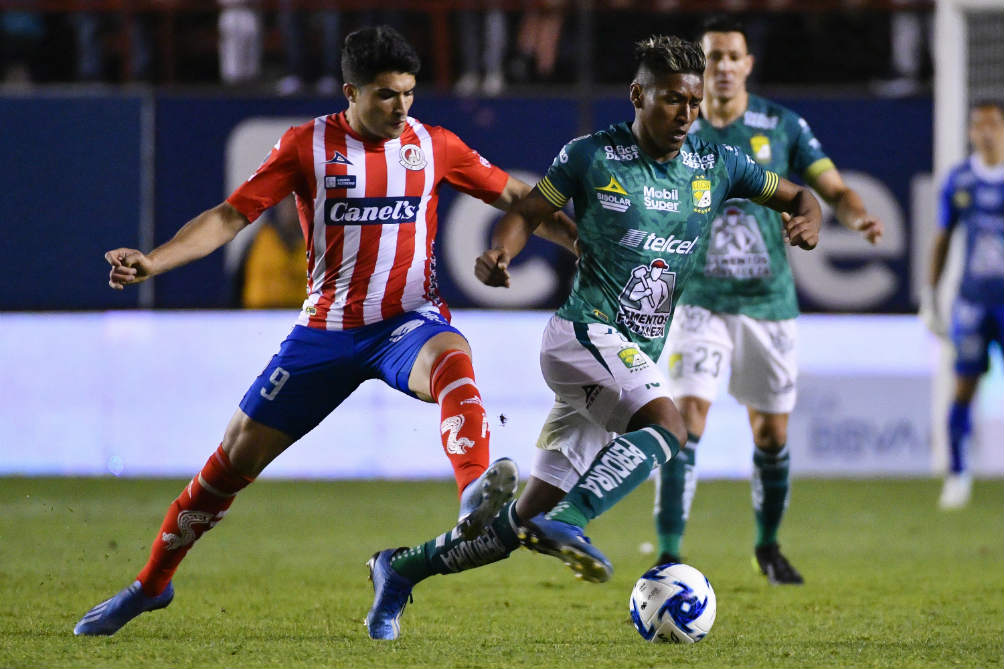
{"type": "Point", "coordinates": [338, 159]}
{"type": "Point", "coordinates": [412, 157]}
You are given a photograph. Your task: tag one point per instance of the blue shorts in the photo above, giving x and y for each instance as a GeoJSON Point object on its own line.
{"type": "Point", "coordinates": [975, 325]}
{"type": "Point", "coordinates": [315, 370]}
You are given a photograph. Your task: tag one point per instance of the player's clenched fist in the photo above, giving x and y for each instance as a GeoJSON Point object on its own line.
{"type": "Point", "coordinates": [801, 231]}
{"type": "Point", "coordinates": [492, 268]}
{"type": "Point", "coordinates": [129, 266]}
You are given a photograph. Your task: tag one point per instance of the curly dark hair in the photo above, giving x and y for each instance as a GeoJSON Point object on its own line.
{"type": "Point", "coordinates": [370, 51]}
{"type": "Point", "coordinates": [669, 54]}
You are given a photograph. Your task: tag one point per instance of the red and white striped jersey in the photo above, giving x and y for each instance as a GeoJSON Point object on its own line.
{"type": "Point", "coordinates": [368, 213]}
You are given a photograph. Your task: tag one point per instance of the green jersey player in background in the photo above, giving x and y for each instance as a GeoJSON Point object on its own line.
{"type": "Point", "coordinates": [645, 195]}
{"type": "Point", "coordinates": [737, 315]}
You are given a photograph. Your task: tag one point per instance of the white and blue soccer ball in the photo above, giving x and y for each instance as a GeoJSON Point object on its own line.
{"type": "Point", "coordinates": [673, 603]}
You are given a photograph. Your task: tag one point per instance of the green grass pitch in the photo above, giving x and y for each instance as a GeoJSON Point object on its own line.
{"type": "Point", "coordinates": [890, 581]}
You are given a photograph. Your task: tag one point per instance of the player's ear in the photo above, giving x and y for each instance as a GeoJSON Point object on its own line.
{"type": "Point", "coordinates": [635, 94]}
{"type": "Point", "coordinates": [350, 91]}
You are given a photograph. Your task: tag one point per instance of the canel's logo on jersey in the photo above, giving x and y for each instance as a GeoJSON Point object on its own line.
{"type": "Point", "coordinates": [613, 196]}
{"type": "Point", "coordinates": [760, 145]}
{"type": "Point", "coordinates": [701, 188]}
{"type": "Point", "coordinates": [412, 157]}
{"type": "Point", "coordinates": [370, 210]}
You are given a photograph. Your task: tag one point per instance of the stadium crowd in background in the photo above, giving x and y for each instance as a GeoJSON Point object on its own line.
{"type": "Point", "coordinates": [285, 48]}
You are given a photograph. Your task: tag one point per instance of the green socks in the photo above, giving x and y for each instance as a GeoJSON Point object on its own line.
{"type": "Point", "coordinates": [449, 553]}
{"type": "Point", "coordinates": [675, 486]}
{"type": "Point", "coordinates": [771, 487]}
{"type": "Point", "coordinates": [620, 467]}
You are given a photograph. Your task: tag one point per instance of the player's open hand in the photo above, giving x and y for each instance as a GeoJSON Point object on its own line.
{"type": "Point", "coordinates": [870, 227]}
{"type": "Point", "coordinates": [492, 268]}
{"type": "Point", "coordinates": [129, 266]}
{"type": "Point", "coordinates": [930, 313]}
{"type": "Point", "coordinates": [801, 231]}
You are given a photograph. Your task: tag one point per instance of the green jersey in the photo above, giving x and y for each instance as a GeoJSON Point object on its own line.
{"type": "Point", "coordinates": [743, 269]}
{"type": "Point", "coordinates": [641, 224]}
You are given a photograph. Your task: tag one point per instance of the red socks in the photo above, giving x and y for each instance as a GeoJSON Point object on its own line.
{"type": "Point", "coordinates": [198, 508]}
{"type": "Point", "coordinates": [465, 425]}
{"type": "Point", "coordinates": [205, 500]}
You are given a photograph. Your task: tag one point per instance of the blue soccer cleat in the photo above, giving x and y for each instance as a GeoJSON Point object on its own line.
{"type": "Point", "coordinates": [391, 592]}
{"type": "Point", "coordinates": [486, 495]}
{"type": "Point", "coordinates": [567, 543]}
{"type": "Point", "coordinates": [110, 615]}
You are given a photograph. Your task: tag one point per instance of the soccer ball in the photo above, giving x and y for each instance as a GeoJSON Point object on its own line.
{"type": "Point", "coordinates": [673, 603]}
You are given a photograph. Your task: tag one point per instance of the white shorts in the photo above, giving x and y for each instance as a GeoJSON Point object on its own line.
{"type": "Point", "coordinates": [757, 356]}
{"type": "Point", "coordinates": [600, 380]}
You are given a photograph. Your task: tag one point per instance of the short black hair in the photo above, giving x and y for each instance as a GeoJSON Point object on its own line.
{"type": "Point", "coordinates": [369, 51]}
{"type": "Point", "coordinates": [983, 103]}
{"type": "Point", "coordinates": [668, 54]}
{"type": "Point", "coordinates": [723, 23]}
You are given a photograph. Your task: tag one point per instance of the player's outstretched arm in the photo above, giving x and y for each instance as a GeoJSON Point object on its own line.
{"type": "Point", "coordinates": [558, 229]}
{"type": "Point", "coordinates": [930, 311]}
{"type": "Point", "coordinates": [510, 236]}
{"type": "Point", "coordinates": [196, 239]}
{"type": "Point", "coordinates": [800, 212]}
{"type": "Point", "coordinates": [847, 205]}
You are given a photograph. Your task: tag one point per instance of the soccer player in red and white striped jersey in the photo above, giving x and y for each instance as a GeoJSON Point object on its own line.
{"type": "Point", "coordinates": [367, 184]}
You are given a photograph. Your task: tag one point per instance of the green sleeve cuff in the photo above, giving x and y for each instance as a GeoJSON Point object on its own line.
{"type": "Point", "coordinates": [550, 193]}
{"type": "Point", "coordinates": [770, 183]}
{"type": "Point", "coordinates": [817, 168]}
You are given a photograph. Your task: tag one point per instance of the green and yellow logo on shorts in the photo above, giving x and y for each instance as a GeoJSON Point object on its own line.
{"type": "Point", "coordinates": [629, 356]}
{"type": "Point", "coordinates": [701, 188]}
{"type": "Point", "coordinates": [676, 365]}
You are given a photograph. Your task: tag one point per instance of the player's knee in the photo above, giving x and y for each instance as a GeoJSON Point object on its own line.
{"type": "Point", "coordinates": [661, 412]}
{"type": "Point", "coordinates": [770, 430]}
{"type": "Point", "coordinates": [695, 413]}
{"type": "Point", "coordinates": [770, 438]}
{"type": "Point", "coordinates": [251, 445]}
{"type": "Point", "coordinates": [965, 387]}
{"type": "Point", "coordinates": [678, 429]}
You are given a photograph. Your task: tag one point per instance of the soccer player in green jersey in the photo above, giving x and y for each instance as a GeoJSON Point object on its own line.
{"type": "Point", "coordinates": [645, 194]}
{"type": "Point", "coordinates": [737, 314]}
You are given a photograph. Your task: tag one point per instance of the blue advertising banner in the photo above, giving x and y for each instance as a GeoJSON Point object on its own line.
{"type": "Point", "coordinates": [72, 189]}
{"type": "Point", "coordinates": [69, 191]}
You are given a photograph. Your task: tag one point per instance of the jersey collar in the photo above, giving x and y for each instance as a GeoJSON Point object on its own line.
{"type": "Point", "coordinates": [986, 172]}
